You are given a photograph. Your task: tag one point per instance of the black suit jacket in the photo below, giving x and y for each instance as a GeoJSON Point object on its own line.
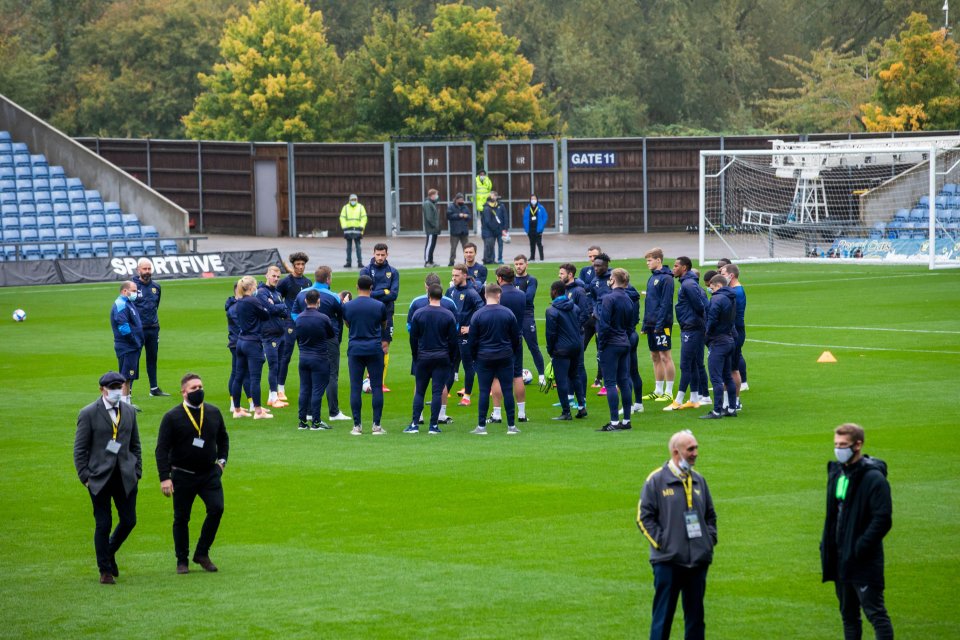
{"type": "Point", "coordinates": [90, 456]}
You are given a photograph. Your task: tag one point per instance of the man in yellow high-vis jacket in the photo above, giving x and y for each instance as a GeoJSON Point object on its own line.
{"type": "Point", "coordinates": [353, 221]}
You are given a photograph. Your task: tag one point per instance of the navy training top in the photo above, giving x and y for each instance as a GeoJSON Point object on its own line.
{"type": "Point", "coordinates": [433, 334]}
{"type": "Point", "coordinates": [290, 286]}
{"type": "Point", "coordinates": [467, 300]}
{"type": "Point", "coordinates": [615, 322]}
{"type": "Point", "coordinates": [494, 333]}
{"type": "Point", "coordinates": [364, 317]}
{"type": "Point", "coordinates": [564, 336]}
{"type": "Point", "coordinates": [658, 306]}
{"type": "Point", "coordinates": [514, 299]}
{"type": "Point", "coordinates": [148, 302]}
{"type": "Point", "coordinates": [314, 331]}
{"type": "Point", "coordinates": [250, 318]}
{"type": "Point", "coordinates": [528, 284]}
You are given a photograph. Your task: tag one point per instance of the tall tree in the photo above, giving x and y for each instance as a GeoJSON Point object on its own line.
{"type": "Point", "coordinates": [25, 75]}
{"type": "Point", "coordinates": [918, 82]}
{"type": "Point", "coordinates": [278, 80]}
{"type": "Point", "coordinates": [830, 88]}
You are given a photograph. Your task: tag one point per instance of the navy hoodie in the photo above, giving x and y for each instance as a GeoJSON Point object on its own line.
{"type": "Point", "coordinates": [277, 309]}
{"type": "Point", "coordinates": [576, 291]}
{"type": "Point", "coordinates": [634, 296]}
{"type": "Point", "coordinates": [691, 304]}
{"type": "Point", "coordinates": [615, 322]}
{"type": "Point", "coordinates": [721, 315]}
{"type": "Point", "coordinates": [467, 300]}
{"type": "Point", "coordinates": [658, 307]}
{"type": "Point", "coordinates": [250, 316]}
{"type": "Point", "coordinates": [563, 328]}
{"type": "Point", "coordinates": [386, 283]}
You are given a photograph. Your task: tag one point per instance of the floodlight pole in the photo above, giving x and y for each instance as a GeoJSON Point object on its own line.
{"type": "Point", "coordinates": [946, 15]}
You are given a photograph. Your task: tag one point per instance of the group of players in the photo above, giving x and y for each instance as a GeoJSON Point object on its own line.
{"type": "Point", "coordinates": [481, 322]}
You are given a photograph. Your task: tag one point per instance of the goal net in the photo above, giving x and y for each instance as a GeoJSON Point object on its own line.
{"type": "Point", "coordinates": [873, 200]}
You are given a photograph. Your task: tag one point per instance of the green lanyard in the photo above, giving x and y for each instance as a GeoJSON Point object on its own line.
{"type": "Point", "coordinates": [843, 482]}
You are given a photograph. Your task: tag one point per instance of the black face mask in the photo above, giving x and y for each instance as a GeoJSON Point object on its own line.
{"type": "Point", "coordinates": [195, 397]}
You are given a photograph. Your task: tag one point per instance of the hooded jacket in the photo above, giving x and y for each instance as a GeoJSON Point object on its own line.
{"type": "Point", "coordinates": [615, 321]}
{"type": "Point", "coordinates": [577, 292]}
{"type": "Point", "coordinates": [721, 313]}
{"type": "Point", "coordinates": [563, 328]}
{"type": "Point", "coordinates": [658, 305]}
{"type": "Point", "coordinates": [538, 215]}
{"type": "Point", "coordinates": [492, 219]}
{"type": "Point", "coordinates": [851, 549]}
{"type": "Point", "coordinates": [691, 310]}
{"type": "Point", "coordinates": [386, 282]}
{"type": "Point", "coordinates": [273, 302]}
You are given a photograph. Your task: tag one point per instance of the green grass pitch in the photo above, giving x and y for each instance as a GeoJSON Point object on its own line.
{"type": "Point", "coordinates": [333, 536]}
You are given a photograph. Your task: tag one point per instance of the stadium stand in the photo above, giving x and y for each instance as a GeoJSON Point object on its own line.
{"type": "Point", "coordinates": [911, 224]}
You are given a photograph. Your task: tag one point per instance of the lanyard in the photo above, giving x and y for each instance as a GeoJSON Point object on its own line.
{"type": "Point", "coordinates": [688, 489]}
{"type": "Point", "coordinates": [116, 423]}
{"type": "Point", "coordinates": [196, 426]}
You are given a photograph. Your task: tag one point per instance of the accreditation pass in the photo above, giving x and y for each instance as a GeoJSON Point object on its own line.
{"type": "Point", "coordinates": [693, 524]}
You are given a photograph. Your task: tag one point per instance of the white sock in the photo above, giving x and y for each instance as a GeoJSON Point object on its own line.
{"type": "Point", "coordinates": [273, 396]}
{"type": "Point", "coordinates": [309, 419]}
{"type": "Point", "coordinates": [726, 400]}
{"type": "Point", "coordinates": [443, 412]}
{"type": "Point", "coordinates": [521, 409]}
{"type": "Point", "coordinates": [280, 389]}
{"type": "Point", "coordinates": [496, 413]}
{"type": "Point", "coordinates": [420, 417]}
{"type": "Point", "coordinates": [233, 406]}
{"type": "Point", "coordinates": [679, 398]}
{"type": "Point", "coordinates": [695, 397]}
{"type": "Point", "coordinates": [251, 406]}
{"type": "Point", "coordinates": [668, 385]}
{"type": "Point", "coordinates": [658, 389]}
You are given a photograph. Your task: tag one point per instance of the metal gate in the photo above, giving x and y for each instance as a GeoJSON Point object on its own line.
{"type": "Point", "coordinates": [519, 169]}
{"type": "Point", "coordinates": [448, 167]}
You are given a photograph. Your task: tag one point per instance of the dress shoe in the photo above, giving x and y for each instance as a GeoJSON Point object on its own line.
{"type": "Point", "coordinates": [581, 413]}
{"type": "Point", "coordinates": [204, 561]}
{"type": "Point", "coordinates": [157, 392]}
{"type": "Point", "coordinates": [183, 568]}
{"type": "Point", "coordinates": [107, 578]}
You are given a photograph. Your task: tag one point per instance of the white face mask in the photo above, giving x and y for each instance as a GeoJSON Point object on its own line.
{"type": "Point", "coordinates": [684, 465]}
{"type": "Point", "coordinates": [533, 202]}
{"type": "Point", "coordinates": [132, 296]}
{"type": "Point", "coordinates": [113, 396]}
{"type": "Point", "coordinates": [843, 455]}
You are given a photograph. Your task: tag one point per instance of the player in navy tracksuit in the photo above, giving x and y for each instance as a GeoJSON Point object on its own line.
{"type": "Point", "coordinates": [576, 291]}
{"type": "Point", "coordinates": [515, 300]}
{"type": "Point", "coordinates": [721, 339]}
{"type": "Point", "coordinates": [528, 326]}
{"type": "Point", "coordinates": [635, 378]}
{"type": "Point", "coordinates": [587, 274]}
{"type": "Point", "coordinates": [366, 320]}
{"type": "Point", "coordinates": [127, 336]}
{"type": "Point", "coordinates": [565, 348]}
{"type": "Point", "coordinates": [658, 325]}
{"type": "Point", "coordinates": [330, 306]}
{"type": "Point", "coordinates": [313, 330]}
{"type": "Point", "coordinates": [732, 273]}
{"type": "Point", "coordinates": [691, 315]}
{"type": "Point", "coordinates": [447, 303]}
{"type": "Point", "coordinates": [273, 331]}
{"type": "Point", "coordinates": [494, 338]}
{"type": "Point", "coordinates": [251, 315]}
{"type": "Point", "coordinates": [467, 299]}
{"type": "Point", "coordinates": [613, 339]}
{"type": "Point", "coordinates": [475, 269]}
{"type": "Point", "coordinates": [148, 304]}
{"type": "Point", "coordinates": [386, 288]}
{"type": "Point", "coordinates": [599, 287]}
{"type": "Point", "coordinates": [233, 333]}
{"type": "Point", "coordinates": [290, 287]}
{"type": "Point", "coordinates": [434, 342]}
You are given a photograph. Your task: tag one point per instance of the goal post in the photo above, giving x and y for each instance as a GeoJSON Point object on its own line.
{"type": "Point", "coordinates": [879, 201]}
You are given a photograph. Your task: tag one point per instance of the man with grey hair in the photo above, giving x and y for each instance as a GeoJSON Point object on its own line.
{"type": "Point", "coordinates": [676, 516]}
{"type": "Point", "coordinates": [148, 305]}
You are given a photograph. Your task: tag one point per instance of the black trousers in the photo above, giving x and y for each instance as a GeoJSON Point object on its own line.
{"type": "Point", "coordinates": [186, 487]}
{"type": "Point", "coordinates": [854, 596]}
{"type": "Point", "coordinates": [670, 583]}
{"type": "Point", "coordinates": [105, 543]}
{"type": "Point", "coordinates": [454, 241]}
{"type": "Point", "coordinates": [428, 248]}
{"type": "Point", "coordinates": [536, 241]}
{"type": "Point", "coordinates": [151, 345]}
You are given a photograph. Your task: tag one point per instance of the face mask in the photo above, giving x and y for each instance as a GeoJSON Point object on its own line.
{"type": "Point", "coordinates": [132, 296]}
{"type": "Point", "coordinates": [434, 199]}
{"type": "Point", "coordinates": [843, 455]}
{"type": "Point", "coordinates": [684, 465]}
{"type": "Point", "coordinates": [353, 202]}
{"type": "Point", "coordinates": [533, 202]}
{"type": "Point", "coordinates": [113, 396]}
{"type": "Point", "coordinates": [195, 397]}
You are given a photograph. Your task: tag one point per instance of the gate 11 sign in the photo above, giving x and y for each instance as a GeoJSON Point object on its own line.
{"type": "Point", "coordinates": [587, 159]}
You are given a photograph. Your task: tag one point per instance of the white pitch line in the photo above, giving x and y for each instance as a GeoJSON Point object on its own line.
{"type": "Point", "coordinates": [837, 346]}
{"type": "Point", "coordinates": [799, 326]}
{"type": "Point", "coordinates": [750, 285]}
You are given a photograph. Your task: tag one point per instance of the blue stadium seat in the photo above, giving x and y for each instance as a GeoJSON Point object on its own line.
{"type": "Point", "coordinates": [76, 196]}
{"type": "Point", "coordinates": [41, 184]}
{"type": "Point", "coordinates": [10, 223]}
{"type": "Point", "coordinates": [44, 209]}
{"type": "Point", "coordinates": [30, 251]}
{"type": "Point", "coordinates": [101, 250]}
{"type": "Point", "coordinates": [92, 195]}
{"type": "Point", "coordinates": [47, 234]}
{"type": "Point", "coordinates": [79, 220]}
{"type": "Point", "coordinates": [951, 215]}
{"type": "Point", "coordinates": [9, 210]}
{"type": "Point", "coordinates": [918, 214]}
{"type": "Point", "coordinates": [6, 160]}
{"type": "Point", "coordinates": [112, 207]}
{"type": "Point", "coordinates": [83, 250]}
{"type": "Point", "coordinates": [60, 196]}
{"type": "Point", "coordinates": [8, 197]}
{"type": "Point", "coordinates": [24, 185]}
{"type": "Point", "coordinates": [20, 159]}
{"type": "Point", "coordinates": [78, 207]}
{"type": "Point", "coordinates": [135, 249]}
{"type": "Point", "coordinates": [949, 189]}
{"type": "Point", "coordinates": [120, 249]}
{"type": "Point", "coordinates": [75, 184]}
{"type": "Point", "coordinates": [7, 173]}
{"type": "Point", "coordinates": [11, 235]}
{"type": "Point", "coordinates": [149, 231]}
{"type": "Point", "coordinates": [56, 171]}
{"type": "Point", "coordinates": [96, 220]}
{"type": "Point", "coordinates": [98, 233]}
{"type": "Point", "coordinates": [941, 202]}
{"type": "Point", "coordinates": [58, 183]}
{"type": "Point", "coordinates": [25, 197]}
{"type": "Point", "coordinates": [95, 207]}
{"type": "Point", "coordinates": [131, 230]}
{"type": "Point", "coordinates": [115, 232]}
{"type": "Point", "coordinates": [150, 248]}
{"type": "Point", "coordinates": [82, 233]}
{"type": "Point", "coordinates": [61, 209]}
{"type": "Point", "coordinates": [21, 147]}
{"type": "Point", "coordinates": [8, 185]}
{"type": "Point", "coordinates": [113, 219]}
{"type": "Point", "coordinates": [5, 136]}
{"type": "Point", "coordinates": [41, 172]}
{"type": "Point", "coordinates": [27, 209]}
{"type": "Point", "coordinates": [42, 197]}
{"type": "Point", "coordinates": [38, 160]}
{"type": "Point", "coordinates": [924, 201]}
{"type": "Point", "coordinates": [28, 222]}
{"type": "Point", "coordinates": [28, 235]}
{"type": "Point", "coordinates": [61, 221]}
{"type": "Point", "coordinates": [129, 218]}
{"type": "Point", "coordinates": [23, 173]}
{"type": "Point", "coordinates": [44, 222]}
{"type": "Point", "coordinates": [49, 251]}
{"type": "Point", "coordinates": [168, 247]}
{"type": "Point", "coordinates": [65, 234]}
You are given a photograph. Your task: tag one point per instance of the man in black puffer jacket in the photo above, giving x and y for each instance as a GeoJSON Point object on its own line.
{"type": "Point", "coordinates": [859, 515]}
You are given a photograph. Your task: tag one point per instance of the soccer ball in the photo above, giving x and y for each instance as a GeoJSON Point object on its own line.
{"type": "Point", "coordinates": [527, 376]}
{"type": "Point", "coordinates": [19, 315]}
{"type": "Point", "coordinates": [366, 385]}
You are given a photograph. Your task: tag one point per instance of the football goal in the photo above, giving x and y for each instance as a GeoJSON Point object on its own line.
{"type": "Point", "coordinates": [889, 200]}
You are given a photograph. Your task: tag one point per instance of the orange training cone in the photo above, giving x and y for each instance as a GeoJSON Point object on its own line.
{"type": "Point", "coordinates": [826, 356]}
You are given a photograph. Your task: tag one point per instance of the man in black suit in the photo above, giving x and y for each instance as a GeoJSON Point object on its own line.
{"type": "Point", "coordinates": [106, 453]}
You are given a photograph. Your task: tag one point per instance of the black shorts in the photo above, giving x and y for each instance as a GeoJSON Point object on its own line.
{"type": "Point", "coordinates": [659, 341]}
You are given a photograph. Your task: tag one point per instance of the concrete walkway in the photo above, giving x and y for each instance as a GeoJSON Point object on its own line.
{"type": "Point", "coordinates": [407, 251]}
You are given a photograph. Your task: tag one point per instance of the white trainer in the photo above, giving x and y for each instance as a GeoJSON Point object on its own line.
{"type": "Point", "coordinates": [378, 430]}
{"type": "Point", "coordinates": [357, 431]}
{"type": "Point", "coordinates": [340, 416]}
